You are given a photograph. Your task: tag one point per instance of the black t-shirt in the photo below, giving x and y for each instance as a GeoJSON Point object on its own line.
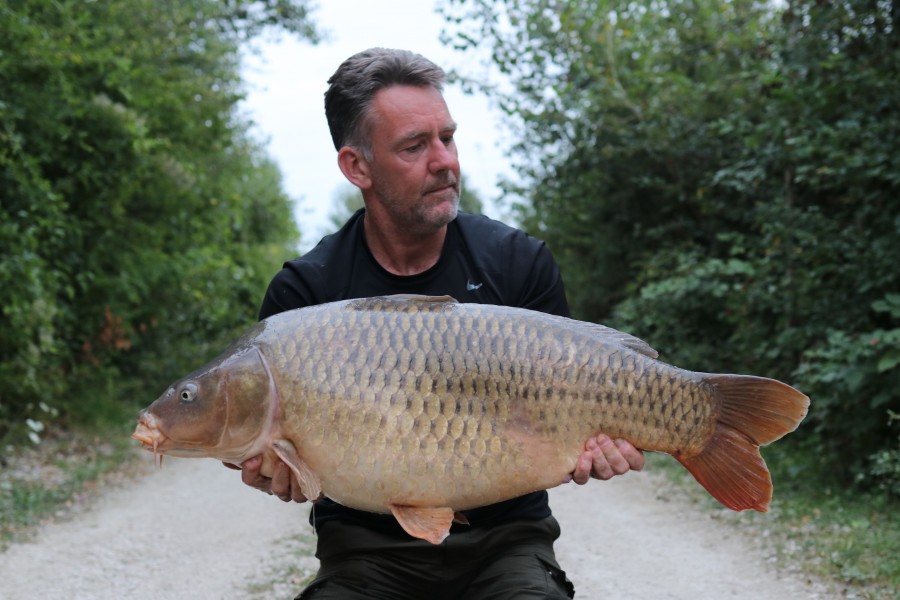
{"type": "Point", "coordinates": [483, 261]}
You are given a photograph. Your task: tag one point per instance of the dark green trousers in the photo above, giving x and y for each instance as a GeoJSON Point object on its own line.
{"type": "Point", "coordinates": [506, 562]}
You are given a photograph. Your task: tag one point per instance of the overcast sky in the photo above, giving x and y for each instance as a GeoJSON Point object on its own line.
{"type": "Point", "coordinates": [286, 83]}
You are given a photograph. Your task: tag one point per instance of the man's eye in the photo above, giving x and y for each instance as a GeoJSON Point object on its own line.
{"type": "Point", "coordinates": [412, 149]}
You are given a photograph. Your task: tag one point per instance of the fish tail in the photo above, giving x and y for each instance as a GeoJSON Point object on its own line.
{"type": "Point", "coordinates": [754, 411]}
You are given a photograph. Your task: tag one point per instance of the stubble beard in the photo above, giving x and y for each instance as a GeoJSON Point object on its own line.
{"type": "Point", "coordinates": [423, 217]}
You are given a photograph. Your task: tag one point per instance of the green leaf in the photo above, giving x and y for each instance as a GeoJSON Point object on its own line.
{"type": "Point", "coordinates": [888, 361]}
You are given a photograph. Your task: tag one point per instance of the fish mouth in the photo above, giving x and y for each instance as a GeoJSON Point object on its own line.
{"type": "Point", "coordinates": [149, 435]}
{"type": "Point", "coordinates": [150, 438]}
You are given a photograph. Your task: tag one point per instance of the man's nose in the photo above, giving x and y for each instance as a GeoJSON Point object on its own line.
{"type": "Point", "coordinates": [443, 157]}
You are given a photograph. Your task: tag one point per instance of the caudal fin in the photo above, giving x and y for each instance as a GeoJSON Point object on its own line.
{"type": "Point", "coordinates": [754, 411]}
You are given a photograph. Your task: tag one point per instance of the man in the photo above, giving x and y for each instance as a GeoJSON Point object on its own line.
{"type": "Point", "coordinates": [395, 141]}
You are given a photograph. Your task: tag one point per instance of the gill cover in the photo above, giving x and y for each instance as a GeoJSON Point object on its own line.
{"type": "Point", "coordinates": [218, 410]}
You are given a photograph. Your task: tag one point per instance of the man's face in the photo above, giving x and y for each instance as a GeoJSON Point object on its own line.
{"type": "Point", "coordinates": [414, 167]}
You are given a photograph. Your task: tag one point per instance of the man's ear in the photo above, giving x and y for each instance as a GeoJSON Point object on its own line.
{"type": "Point", "coordinates": [355, 167]}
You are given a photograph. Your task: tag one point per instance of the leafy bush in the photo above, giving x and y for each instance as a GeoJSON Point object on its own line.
{"type": "Point", "coordinates": [139, 223]}
{"type": "Point", "coordinates": [885, 469]}
{"type": "Point", "coordinates": [855, 380]}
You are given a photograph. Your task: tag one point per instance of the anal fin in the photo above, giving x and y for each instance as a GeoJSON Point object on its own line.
{"type": "Point", "coordinates": [431, 524]}
{"type": "Point", "coordinates": [309, 481]}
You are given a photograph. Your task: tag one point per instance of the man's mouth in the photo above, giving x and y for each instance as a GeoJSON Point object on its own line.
{"type": "Point", "coordinates": [450, 185]}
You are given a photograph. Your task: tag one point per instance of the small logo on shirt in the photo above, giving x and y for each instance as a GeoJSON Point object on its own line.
{"type": "Point", "coordinates": [472, 286]}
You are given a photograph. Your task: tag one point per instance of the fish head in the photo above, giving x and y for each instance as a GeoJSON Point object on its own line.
{"type": "Point", "coordinates": [220, 410]}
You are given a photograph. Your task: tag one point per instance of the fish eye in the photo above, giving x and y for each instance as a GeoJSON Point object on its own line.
{"type": "Point", "coordinates": [188, 392]}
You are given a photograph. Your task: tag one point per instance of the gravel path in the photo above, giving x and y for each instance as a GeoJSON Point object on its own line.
{"type": "Point", "coordinates": [634, 537]}
{"type": "Point", "coordinates": [192, 531]}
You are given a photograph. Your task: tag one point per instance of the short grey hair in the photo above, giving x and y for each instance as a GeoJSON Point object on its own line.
{"type": "Point", "coordinates": [352, 88]}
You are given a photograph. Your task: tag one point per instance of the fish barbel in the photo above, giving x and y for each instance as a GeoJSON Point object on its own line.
{"type": "Point", "coordinates": [422, 407]}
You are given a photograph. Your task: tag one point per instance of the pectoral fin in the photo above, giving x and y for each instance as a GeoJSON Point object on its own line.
{"type": "Point", "coordinates": [431, 524]}
{"type": "Point", "coordinates": [309, 481]}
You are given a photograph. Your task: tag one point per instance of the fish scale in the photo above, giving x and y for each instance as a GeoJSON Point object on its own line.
{"type": "Point", "coordinates": [424, 407]}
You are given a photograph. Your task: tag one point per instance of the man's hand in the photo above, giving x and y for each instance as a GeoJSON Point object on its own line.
{"type": "Point", "coordinates": [604, 458]}
{"type": "Point", "coordinates": [283, 482]}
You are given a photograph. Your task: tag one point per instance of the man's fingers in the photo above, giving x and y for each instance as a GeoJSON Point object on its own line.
{"type": "Point", "coordinates": [613, 463]}
{"type": "Point", "coordinates": [285, 484]}
{"type": "Point", "coordinates": [604, 458]}
{"type": "Point", "coordinates": [252, 464]}
{"type": "Point", "coordinates": [616, 457]}
{"type": "Point", "coordinates": [582, 473]}
{"type": "Point", "coordinates": [250, 474]}
{"type": "Point", "coordinates": [632, 455]}
{"type": "Point", "coordinates": [281, 481]}
{"type": "Point", "coordinates": [600, 450]}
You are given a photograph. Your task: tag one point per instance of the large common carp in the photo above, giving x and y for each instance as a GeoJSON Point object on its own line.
{"type": "Point", "coordinates": [422, 407]}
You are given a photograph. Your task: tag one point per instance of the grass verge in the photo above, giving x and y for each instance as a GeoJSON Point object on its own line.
{"type": "Point", "coordinates": [846, 537]}
{"type": "Point", "coordinates": [59, 475]}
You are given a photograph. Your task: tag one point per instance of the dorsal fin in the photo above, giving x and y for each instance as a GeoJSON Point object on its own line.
{"type": "Point", "coordinates": [400, 302]}
{"type": "Point", "coordinates": [625, 339]}
{"type": "Point", "coordinates": [421, 298]}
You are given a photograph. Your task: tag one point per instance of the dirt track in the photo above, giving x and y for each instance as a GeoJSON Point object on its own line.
{"type": "Point", "coordinates": [192, 531]}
